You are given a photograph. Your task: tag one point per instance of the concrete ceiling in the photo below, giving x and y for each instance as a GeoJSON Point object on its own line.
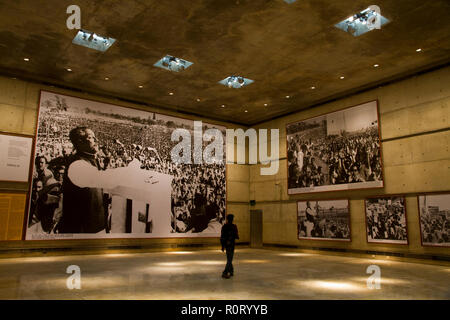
{"type": "Point", "coordinates": [285, 48]}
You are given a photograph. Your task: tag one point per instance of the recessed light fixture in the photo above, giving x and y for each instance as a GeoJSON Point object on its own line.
{"type": "Point", "coordinates": [106, 78]}
{"type": "Point", "coordinates": [246, 111]}
{"type": "Point", "coordinates": [376, 65]}
{"type": "Point", "coordinates": [170, 93]}
{"type": "Point", "coordinates": [313, 88]}
{"type": "Point", "coordinates": [92, 40]}
{"type": "Point", "coordinates": [287, 97]}
{"type": "Point", "coordinates": [419, 50]}
{"type": "Point", "coordinates": [362, 22]}
{"type": "Point", "coordinates": [235, 82]}
{"type": "Point", "coordinates": [26, 59]}
{"type": "Point", "coordinates": [198, 100]}
{"type": "Point", "coordinates": [172, 63]}
{"type": "Point", "coordinates": [69, 70]}
{"type": "Point", "coordinates": [265, 104]}
{"type": "Point", "coordinates": [223, 106]}
{"type": "Point", "coordinates": [140, 87]}
{"type": "Point", "coordinates": [342, 78]}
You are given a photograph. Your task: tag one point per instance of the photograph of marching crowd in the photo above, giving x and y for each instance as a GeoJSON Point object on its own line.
{"type": "Point", "coordinates": [79, 141]}
{"type": "Point", "coordinates": [336, 151]}
{"type": "Point", "coordinates": [386, 220]}
{"type": "Point", "coordinates": [434, 210]}
{"type": "Point", "coordinates": [324, 219]}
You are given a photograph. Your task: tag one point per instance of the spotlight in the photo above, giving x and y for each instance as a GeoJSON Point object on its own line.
{"type": "Point", "coordinates": [69, 70]}
{"type": "Point", "coordinates": [172, 63]}
{"type": "Point", "coordinates": [236, 82]}
{"type": "Point", "coordinates": [170, 93]}
{"type": "Point", "coordinates": [140, 87]}
{"type": "Point", "coordinates": [94, 41]}
{"type": "Point", "coordinates": [376, 65]}
{"type": "Point", "coordinates": [419, 50]}
{"type": "Point", "coordinates": [26, 59]}
{"type": "Point", "coordinates": [265, 104]}
{"type": "Point", "coordinates": [363, 22]}
{"type": "Point", "coordinates": [313, 88]}
{"type": "Point", "coordinates": [342, 78]}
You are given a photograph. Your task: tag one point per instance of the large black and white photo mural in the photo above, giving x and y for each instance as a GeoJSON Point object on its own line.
{"type": "Point", "coordinates": [105, 171]}
{"type": "Point", "coordinates": [336, 151]}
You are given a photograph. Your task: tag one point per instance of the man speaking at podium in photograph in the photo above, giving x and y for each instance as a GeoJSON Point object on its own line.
{"type": "Point", "coordinates": [85, 182]}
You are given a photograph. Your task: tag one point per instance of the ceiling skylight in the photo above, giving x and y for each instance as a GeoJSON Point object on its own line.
{"type": "Point", "coordinates": [92, 40]}
{"type": "Point", "coordinates": [235, 82]}
{"type": "Point", "coordinates": [363, 22]}
{"type": "Point", "coordinates": [173, 64]}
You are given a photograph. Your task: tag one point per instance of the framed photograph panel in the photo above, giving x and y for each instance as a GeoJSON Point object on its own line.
{"type": "Point", "coordinates": [324, 220]}
{"type": "Point", "coordinates": [336, 151]}
{"type": "Point", "coordinates": [386, 220]}
{"type": "Point", "coordinates": [106, 171]}
{"type": "Point", "coordinates": [434, 213]}
{"type": "Point", "coordinates": [15, 157]}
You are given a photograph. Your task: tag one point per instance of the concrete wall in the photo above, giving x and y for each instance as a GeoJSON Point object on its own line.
{"type": "Point", "coordinates": [18, 114]}
{"type": "Point", "coordinates": [415, 124]}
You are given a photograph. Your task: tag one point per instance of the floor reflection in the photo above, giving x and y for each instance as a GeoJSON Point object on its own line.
{"type": "Point", "coordinates": [259, 274]}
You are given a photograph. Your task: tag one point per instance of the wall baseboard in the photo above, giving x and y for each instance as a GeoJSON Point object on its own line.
{"type": "Point", "coordinates": [162, 247]}
{"type": "Point", "coordinates": [81, 250]}
{"type": "Point", "coordinates": [432, 257]}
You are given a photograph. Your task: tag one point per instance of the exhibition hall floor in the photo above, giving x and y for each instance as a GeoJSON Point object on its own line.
{"type": "Point", "coordinates": [259, 274]}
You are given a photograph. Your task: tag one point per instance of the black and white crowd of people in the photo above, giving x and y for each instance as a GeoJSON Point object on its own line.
{"type": "Point", "coordinates": [386, 219]}
{"type": "Point", "coordinates": [326, 223]}
{"type": "Point", "coordinates": [317, 159]}
{"type": "Point", "coordinates": [435, 228]}
{"type": "Point", "coordinates": [198, 191]}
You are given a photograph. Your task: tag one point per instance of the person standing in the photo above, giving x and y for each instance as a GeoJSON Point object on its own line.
{"type": "Point", "coordinates": [42, 173]}
{"type": "Point", "coordinates": [228, 236]}
{"type": "Point", "coordinates": [83, 208]}
{"type": "Point", "coordinates": [311, 215]}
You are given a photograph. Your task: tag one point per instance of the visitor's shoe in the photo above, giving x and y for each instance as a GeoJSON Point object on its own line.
{"type": "Point", "coordinates": [226, 275]}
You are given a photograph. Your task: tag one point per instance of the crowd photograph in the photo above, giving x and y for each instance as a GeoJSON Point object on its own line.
{"type": "Point", "coordinates": [386, 220]}
{"type": "Point", "coordinates": [85, 148]}
{"type": "Point", "coordinates": [336, 151]}
{"type": "Point", "coordinates": [323, 219]}
{"type": "Point", "coordinates": [434, 212]}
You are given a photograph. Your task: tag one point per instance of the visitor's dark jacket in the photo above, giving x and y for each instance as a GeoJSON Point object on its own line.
{"type": "Point", "coordinates": [228, 235]}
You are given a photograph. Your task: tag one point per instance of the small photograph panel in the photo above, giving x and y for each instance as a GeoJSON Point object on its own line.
{"type": "Point", "coordinates": [434, 212]}
{"type": "Point", "coordinates": [386, 220]}
{"type": "Point", "coordinates": [323, 220]}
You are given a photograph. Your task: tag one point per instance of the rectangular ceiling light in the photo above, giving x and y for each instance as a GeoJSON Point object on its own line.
{"type": "Point", "coordinates": [235, 82]}
{"type": "Point", "coordinates": [172, 63]}
{"type": "Point", "coordinates": [92, 40]}
{"type": "Point", "coordinates": [363, 22]}
{"type": "Point", "coordinates": [290, 1]}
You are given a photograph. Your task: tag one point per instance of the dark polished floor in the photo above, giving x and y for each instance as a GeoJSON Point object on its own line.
{"type": "Point", "coordinates": [259, 274]}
